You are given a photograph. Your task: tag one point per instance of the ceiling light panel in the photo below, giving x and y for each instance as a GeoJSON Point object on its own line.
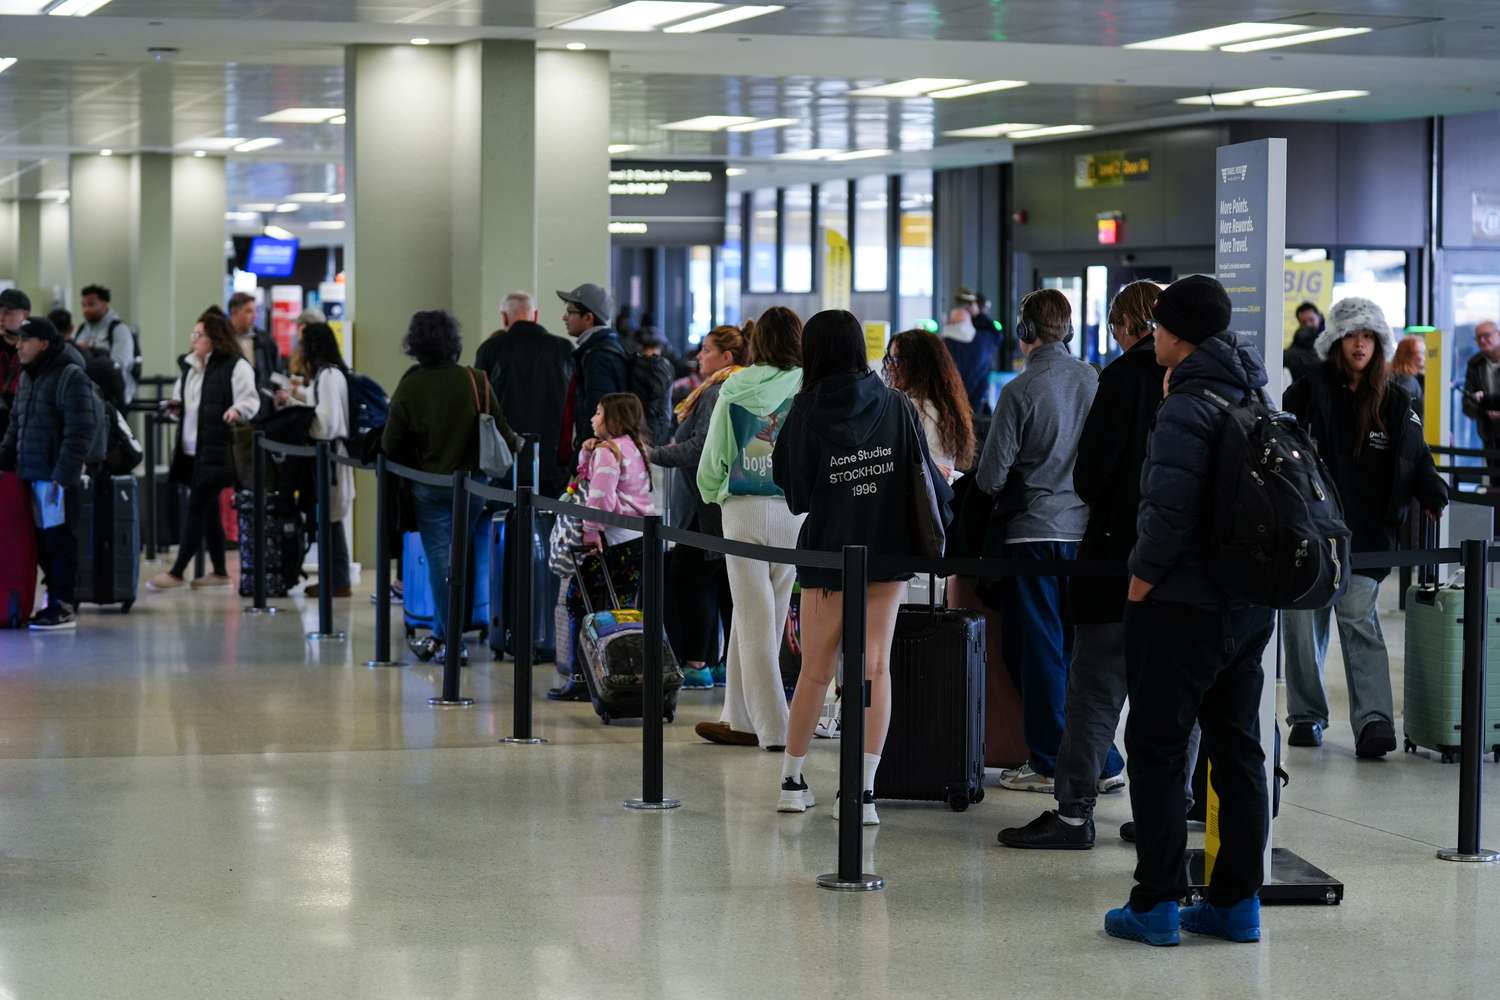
{"type": "Point", "coordinates": [336, 199]}
{"type": "Point", "coordinates": [301, 116]}
{"type": "Point", "coordinates": [970, 89]}
{"type": "Point", "coordinates": [719, 18]}
{"type": "Point", "coordinates": [1326, 95]}
{"type": "Point", "coordinates": [217, 143]}
{"type": "Point", "coordinates": [288, 207]}
{"type": "Point", "coordinates": [258, 206]}
{"type": "Point", "coordinates": [1239, 98]}
{"type": "Point", "coordinates": [310, 197]}
{"type": "Point", "coordinates": [6, 62]}
{"type": "Point", "coordinates": [808, 154]}
{"type": "Point", "coordinates": [858, 154]}
{"type": "Point", "coordinates": [1037, 133]}
{"type": "Point", "coordinates": [1228, 34]}
{"type": "Point", "coordinates": [75, 8]}
{"type": "Point", "coordinates": [622, 147]}
{"type": "Point", "coordinates": [991, 131]}
{"type": "Point", "coordinates": [278, 233]}
{"type": "Point", "coordinates": [241, 216]}
{"type": "Point", "coordinates": [1326, 35]}
{"type": "Point", "coordinates": [763, 124]}
{"type": "Point", "coordinates": [256, 145]}
{"type": "Point", "coordinates": [326, 224]}
{"type": "Point", "coordinates": [707, 123]}
{"type": "Point", "coordinates": [639, 15]}
{"type": "Point", "coordinates": [916, 87]}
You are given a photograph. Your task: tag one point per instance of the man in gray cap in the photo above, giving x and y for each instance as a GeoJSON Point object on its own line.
{"type": "Point", "coordinates": [598, 366]}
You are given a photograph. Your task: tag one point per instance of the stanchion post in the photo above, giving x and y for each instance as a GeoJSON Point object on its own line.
{"type": "Point", "coordinates": [653, 695]}
{"type": "Point", "coordinates": [258, 543]}
{"type": "Point", "coordinates": [458, 605]}
{"type": "Point", "coordinates": [382, 571]}
{"type": "Point", "coordinates": [1476, 557]}
{"type": "Point", "coordinates": [148, 502]}
{"type": "Point", "coordinates": [518, 550]}
{"type": "Point", "coordinates": [851, 876]}
{"type": "Point", "coordinates": [323, 465]}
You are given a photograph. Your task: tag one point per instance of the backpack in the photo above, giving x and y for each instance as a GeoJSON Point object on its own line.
{"type": "Point", "coordinates": [650, 379]}
{"type": "Point", "coordinates": [123, 452]}
{"type": "Point", "coordinates": [1277, 537]}
{"type": "Point", "coordinates": [136, 362]}
{"type": "Point", "coordinates": [369, 406]}
{"type": "Point", "coordinates": [755, 439]}
{"type": "Point", "coordinates": [99, 446]}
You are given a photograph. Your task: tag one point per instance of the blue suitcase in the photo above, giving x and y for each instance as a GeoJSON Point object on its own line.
{"type": "Point", "coordinates": [544, 584]}
{"type": "Point", "coordinates": [417, 603]}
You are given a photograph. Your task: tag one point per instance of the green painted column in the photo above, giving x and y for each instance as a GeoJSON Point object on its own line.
{"type": "Point", "coordinates": [198, 258]}
{"type": "Point", "coordinates": [572, 175]}
{"type": "Point", "coordinates": [102, 226]}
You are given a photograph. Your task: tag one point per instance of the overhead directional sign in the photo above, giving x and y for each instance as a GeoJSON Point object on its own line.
{"type": "Point", "coordinates": [666, 203]}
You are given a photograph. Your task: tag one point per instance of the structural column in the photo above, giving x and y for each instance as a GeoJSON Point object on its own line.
{"type": "Point", "coordinates": [102, 226]}
{"type": "Point", "coordinates": [572, 165]}
{"type": "Point", "coordinates": [198, 257]}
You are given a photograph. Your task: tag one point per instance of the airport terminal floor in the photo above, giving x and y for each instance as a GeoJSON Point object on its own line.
{"type": "Point", "coordinates": [200, 803]}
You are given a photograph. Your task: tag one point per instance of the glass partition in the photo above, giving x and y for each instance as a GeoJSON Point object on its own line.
{"type": "Point", "coordinates": [762, 241]}
{"type": "Point", "coordinates": [915, 253]}
{"type": "Point", "coordinates": [796, 238]}
{"type": "Point", "coordinates": [870, 242]}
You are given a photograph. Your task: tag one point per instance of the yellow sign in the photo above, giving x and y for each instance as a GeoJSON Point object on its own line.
{"type": "Point", "coordinates": [1432, 402]}
{"type": "Point", "coordinates": [916, 229]}
{"type": "Point", "coordinates": [876, 334]}
{"type": "Point", "coordinates": [1111, 169]}
{"type": "Point", "coordinates": [837, 271]}
{"type": "Point", "coordinates": [1304, 281]}
{"type": "Point", "coordinates": [1211, 824]}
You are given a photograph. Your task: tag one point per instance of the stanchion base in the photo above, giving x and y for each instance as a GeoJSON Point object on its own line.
{"type": "Point", "coordinates": [641, 805]}
{"type": "Point", "coordinates": [1481, 856]}
{"type": "Point", "coordinates": [374, 664]}
{"type": "Point", "coordinates": [326, 637]}
{"type": "Point", "coordinates": [1293, 881]}
{"type": "Point", "coordinates": [253, 610]}
{"type": "Point", "coordinates": [445, 703]}
{"type": "Point", "coordinates": [514, 742]}
{"type": "Point", "coordinates": [865, 883]}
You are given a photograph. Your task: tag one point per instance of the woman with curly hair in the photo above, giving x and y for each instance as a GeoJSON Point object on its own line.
{"type": "Point", "coordinates": [434, 426]}
{"type": "Point", "coordinates": [918, 364]}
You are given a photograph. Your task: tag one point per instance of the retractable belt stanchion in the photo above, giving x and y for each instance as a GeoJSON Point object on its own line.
{"type": "Point", "coordinates": [520, 583]}
{"type": "Point", "coordinates": [382, 656]}
{"type": "Point", "coordinates": [458, 606]}
{"type": "Point", "coordinates": [851, 876]}
{"type": "Point", "coordinates": [653, 697]}
{"type": "Point", "coordinates": [148, 502]}
{"type": "Point", "coordinates": [1472, 740]}
{"type": "Point", "coordinates": [324, 472]}
{"type": "Point", "coordinates": [258, 543]}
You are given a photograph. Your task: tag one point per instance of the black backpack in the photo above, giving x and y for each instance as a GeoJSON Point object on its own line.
{"type": "Point", "coordinates": [1277, 537]}
{"type": "Point", "coordinates": [136, 362]}
{"type": "Point", "coordinates": [650, 378]}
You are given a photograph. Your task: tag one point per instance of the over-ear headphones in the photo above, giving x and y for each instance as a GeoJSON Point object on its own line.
{"type": "Point", "coordinates": [1027, 333]}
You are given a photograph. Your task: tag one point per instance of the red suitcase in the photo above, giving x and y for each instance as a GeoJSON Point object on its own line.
{"type": "Point", "coordinates": [18, 555]}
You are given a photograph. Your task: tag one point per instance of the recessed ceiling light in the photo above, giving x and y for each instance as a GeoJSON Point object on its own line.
{"type": "Point", "coordinates": [255, 145]}
{"type": "Point", "coordinates": [1212, 38]}
{"type": "Point", "coordinates": [734, 172]}
{"type": "Point", "coordinates": [1037, 133]}
{"type": "Point", "coordinates": [908, 88]}
{"type": "Point", "coordinates": [970, 89]}
{"type": "Point", "coordinates": [421, 41]}
{"type": "Point", "coordinates": [309, 197]}
{"type": "Point", "coordinates": [326, 224]}
{"type": "Point", "coordinates": [859, 154]}
{"type": "Point", "coordinates": [808, 154]}
{"type": "Point", "coordinates": [575, 46]}
{"type": "Point", "coordinates": [6, 62]}
{"type": "Point", "coordinates": [990, 131]}
{"type": "Point", "coordinates": [722, 17]}
{"type": "Point", "coordinates": [215, 143]}
{"type": "Point", "coordinates": [1327, 95]}
{"type": "Point", "coordinates": [106, 152]}
{"type": "Point", "coordinates": [707, 123]}
{"type": "Point", "coordinates": [200, 153]}
{"type": "Point", "coordinates": [74, 8]}
{"type": "Point", "coordinates": [278, 233]}
{"type": "Point", "coordinates": [241, 216]}
{"type": "Point", "coordinates": [258, 206]}
{"type": "Point", "coordinates": [339, 120]}
{"type": "Point", "coordinates": [764, 123]}
{"type": "Point", "coordinates": [1238, 98]}
{"type": "Point", "coordinates": [336, 199]}
{"type": "Point", "coordinates": [301, 116]}
{"type": "Point", "coordinates": [622, 147]}
{"type": "Point", "coordinates": [56, 194]}
{"type": "Point", "coordinates": [640, 15]}
{"type": "Point", "coordinates": [1327, 34]}
{"type": "Point", "coordinates": [288, 206]}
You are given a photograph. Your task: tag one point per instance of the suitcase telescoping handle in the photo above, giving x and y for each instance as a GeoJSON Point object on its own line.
{"type": "Point", "coordinates": [1427, 574]}
{"type": "Point", "coordinates": [580, 553]}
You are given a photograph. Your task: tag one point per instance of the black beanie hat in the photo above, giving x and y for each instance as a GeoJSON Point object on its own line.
{"type": "Point", "coordinates": [1193, 308]}
{"type": "Point", "coordinates": [39, 328]}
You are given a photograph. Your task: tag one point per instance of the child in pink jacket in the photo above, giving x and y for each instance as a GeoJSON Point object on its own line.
{"type": "Point", "coordinates": [614, 466]}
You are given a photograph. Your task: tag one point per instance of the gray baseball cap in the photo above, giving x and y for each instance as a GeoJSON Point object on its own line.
{"type": "Point", "coordinates": [591, 298]}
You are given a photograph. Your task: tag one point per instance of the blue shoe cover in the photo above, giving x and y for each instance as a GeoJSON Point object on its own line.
{"type": "Point", "coordinates": [1157, 926]}
{"type": "Point", "coordinates": [1240, 922]}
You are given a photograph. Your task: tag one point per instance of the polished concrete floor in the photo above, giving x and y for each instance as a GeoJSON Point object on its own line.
{"type": "Point", "coordinates": [196, 803]}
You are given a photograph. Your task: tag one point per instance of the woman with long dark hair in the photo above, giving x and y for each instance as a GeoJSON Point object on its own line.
{"type": "Point", "coordinates": [320, 362]}
{"type": "Point", "coordinates": [845, 459]}
{"type": "Point", "coordinates": [1372, 441]}
{"type": "Point", "coordinates": [918, 364]}
{"type": "Point", "coordinates": [215, 391]}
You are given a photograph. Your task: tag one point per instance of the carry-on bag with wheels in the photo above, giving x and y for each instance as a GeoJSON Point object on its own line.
{"type": "Point", "coordinates": [935, 748]}
{"type": "Point", "coordinates": [612, 645]}
{"type": "Point", "coordinates": [285, 544]}
{"type": "Point", "coordinates": [418, 606]}
{"type": "Point", "coordinates": [108, 530]}
{"type": "Point", "coordinates": [18, 554]}
{"type": "Point", "coordinates": [1004, 733]}
{"type": "Point", "coordinates": [544, 582]}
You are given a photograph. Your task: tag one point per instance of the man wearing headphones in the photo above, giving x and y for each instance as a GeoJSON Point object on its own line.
{"type": "Point", "coordinates": [1027, 466]}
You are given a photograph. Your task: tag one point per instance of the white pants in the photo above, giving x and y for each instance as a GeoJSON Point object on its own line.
{"type": "Point", "coordinates": [754, 700]}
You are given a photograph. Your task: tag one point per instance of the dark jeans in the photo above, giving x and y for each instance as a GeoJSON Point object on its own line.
{"type": "Point", "coordinates": [203, 524]}
{"type": "Point", "coordinates": [1183, 664]}
{"type": "Point", "coordinates": [1036, 645]}
{"type": "Point", "coordinates": [434, 513]}
{"type": "Point", "coordinates": [698, 604]}
{"type": "Point", "coordinates": [57, 554]}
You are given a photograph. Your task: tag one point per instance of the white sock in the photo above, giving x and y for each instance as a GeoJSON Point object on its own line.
{"type": "Point", "coordinates": [791, 767]}
{"type": "Point", "coordinates": [872, 764]}
{"type": "Point", "coordinates": [1072, 820]}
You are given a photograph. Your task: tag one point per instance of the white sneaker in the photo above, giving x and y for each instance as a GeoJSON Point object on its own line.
{"type": "Point", "coordinates": [1113, 783]}
{"type": "Point", "coordinates": [828, 727]}
{"type": "Point", "coordinates": [868, 817]}
{"type": "Point", "coordinates": [1024, 779]}
{"type": "Point", "coordinates": [796, 797]}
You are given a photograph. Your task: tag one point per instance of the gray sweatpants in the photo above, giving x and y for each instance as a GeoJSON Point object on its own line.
{"type": "Point", "coordinates": [1096, 696]}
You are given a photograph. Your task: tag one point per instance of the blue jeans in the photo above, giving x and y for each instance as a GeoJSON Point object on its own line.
{"type": "Point", "coordinates": [434, 511]}
{"type": "Point", "coordinates": [1037, 645]}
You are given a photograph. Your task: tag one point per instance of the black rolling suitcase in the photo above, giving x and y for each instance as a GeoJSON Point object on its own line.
{"type": "Point", "coordinates": [935, 748]}
{"type": "Point", "coordinates": [285, 545]}
{"type": "Point", "coordinates": [108, 529]}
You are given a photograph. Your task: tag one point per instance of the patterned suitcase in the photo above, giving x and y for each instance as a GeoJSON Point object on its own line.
{"type": "Point", "coordinates": [612, 647]}
{"type": "Point", "coordinates": [1433, 709]}
{"type": "Point", "coordinates": [284, 547]}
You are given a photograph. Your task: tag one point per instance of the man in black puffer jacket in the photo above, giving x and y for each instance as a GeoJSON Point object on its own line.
{"type": "Point", "coordinates": [50, 436]}
{"type": "Point", "coordinates": [1192, 652]}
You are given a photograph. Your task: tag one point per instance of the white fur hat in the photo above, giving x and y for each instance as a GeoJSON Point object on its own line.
{"type": "Point", "coordinates": [1352, 315]}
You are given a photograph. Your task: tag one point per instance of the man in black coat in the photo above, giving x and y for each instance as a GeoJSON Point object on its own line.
{"type": "Point", "coordinates": [599, 367]}
{"type": "Point", "coordinates": [530, 370]}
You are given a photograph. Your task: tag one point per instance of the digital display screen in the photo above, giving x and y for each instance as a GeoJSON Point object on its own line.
{"type": "Point", "coordinates": [272, 258]}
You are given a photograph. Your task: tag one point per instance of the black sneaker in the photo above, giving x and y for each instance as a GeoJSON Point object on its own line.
{"type": "Point", "coordinates": [1049, 833]}
{"type": "Point", "coordinates": [55, 618]}
{"type": "Point", "coordinates": [796, 797]}
{"type": "Point", "coordinates": [1377, 739]}
{"type": "Point", "coordinates": [1310, 734]}
{"type": "Point", "coordinates": [1127, 831]}
{"type": "Point", "coordinates": [424, 646]}
{"type": "Point", "coordinates": [574, 690]}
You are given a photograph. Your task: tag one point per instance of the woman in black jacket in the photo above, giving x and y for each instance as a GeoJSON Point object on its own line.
{"type": "Point", "coordinates": [1371, 439]}
{"type": "Point", "coordinates": [215, 391]}
{"type": "Point", "coordinates": [845, 457]}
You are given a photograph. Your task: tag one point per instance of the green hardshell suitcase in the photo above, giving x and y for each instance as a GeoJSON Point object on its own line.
{"type": "Point", "coordinates": [1433, 710]}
